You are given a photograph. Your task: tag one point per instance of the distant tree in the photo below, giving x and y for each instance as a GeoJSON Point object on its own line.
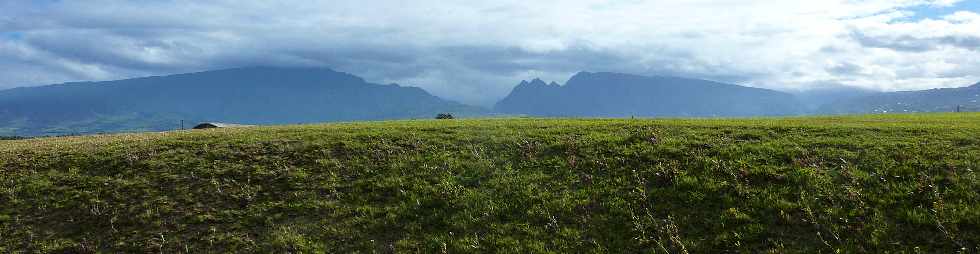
{"type": "Point", "coordinates": [445, 116]}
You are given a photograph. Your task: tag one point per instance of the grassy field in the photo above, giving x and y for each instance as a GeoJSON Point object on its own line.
{"type": "Point", "coordinates": [884, 183]}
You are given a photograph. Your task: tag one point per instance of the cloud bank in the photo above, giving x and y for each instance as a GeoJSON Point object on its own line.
{"type": "Point", "coordinates": [476, 51]}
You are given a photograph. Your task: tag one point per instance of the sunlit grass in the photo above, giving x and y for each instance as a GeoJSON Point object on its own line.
{"type": "Point", "coordinates": [877, 183]}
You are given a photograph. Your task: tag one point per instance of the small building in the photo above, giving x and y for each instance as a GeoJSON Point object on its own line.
{"type": "Point", "coordinates": [218, 125]}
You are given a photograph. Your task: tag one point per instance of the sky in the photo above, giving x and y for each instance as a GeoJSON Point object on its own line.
{"type": "Point", "coordinates": [476, 51]}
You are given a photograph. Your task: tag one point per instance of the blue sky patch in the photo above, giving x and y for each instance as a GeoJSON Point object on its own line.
{"type": "Point", "coordinates": [933, 12]}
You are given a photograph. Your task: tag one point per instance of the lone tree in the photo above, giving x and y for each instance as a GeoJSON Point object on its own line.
{"type": "Point", "coordinates": [445, 116]}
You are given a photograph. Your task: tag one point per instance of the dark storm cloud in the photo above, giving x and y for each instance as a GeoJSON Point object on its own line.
{"type": "Point", "coordinates": [902, 43]}
{"type": "Point", "coordinates": [911, 43]}
{"type": "Point", "coordinates": [845, 69]}
{"type": "Point", "coordinates": [966, 42]}
{"type": "Point", "coordinates": [511, 60]}
{"type": "Point", "coordinates": [110, 49]}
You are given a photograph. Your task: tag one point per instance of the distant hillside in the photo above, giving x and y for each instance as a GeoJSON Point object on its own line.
{"type": "Point", "coordinates": [622, 95]}
{"type": "Point", "coordinates": [812, 100]}
{"type": "Point", "coordinates": [258, 95]}
{"type": "Point", "coordinates": [934, 100]}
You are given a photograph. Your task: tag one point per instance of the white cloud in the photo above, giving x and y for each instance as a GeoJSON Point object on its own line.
{"type": "Point", "coordinates": [475, 51]}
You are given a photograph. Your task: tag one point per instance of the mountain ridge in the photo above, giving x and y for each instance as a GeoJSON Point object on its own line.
{"type": "Point", "coordinates": [285, 95]}
{"type": "Point", "coordinates": [608, 94]}
{"type": "Point", "coordinates": [920, 101]}
{"type": "Point", "coordinates": [250, 95]}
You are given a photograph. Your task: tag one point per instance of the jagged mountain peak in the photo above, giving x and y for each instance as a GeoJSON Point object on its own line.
{"type": "Point", "coordinates": [607, 94]}
{"type": "Point", "coordinates": [535, 83]}
{"type": "Point", "coordinates": [538, 81]}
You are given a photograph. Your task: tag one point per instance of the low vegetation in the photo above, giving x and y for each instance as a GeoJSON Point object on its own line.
{"type": "Point", "coordinates": [884, 183]}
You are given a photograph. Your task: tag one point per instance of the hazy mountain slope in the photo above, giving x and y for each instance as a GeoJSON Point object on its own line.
{"type": "Point", "coordinates": [934, 100]}
{"type": "Point", "coordinates": [622, 95]}
{"type": "Point", "coordinates": [258, 95]}
{"type": "Point", "coordinates": [812, 100]}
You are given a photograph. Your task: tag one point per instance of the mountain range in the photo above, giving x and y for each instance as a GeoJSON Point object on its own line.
{"type": "Point", "coordinates": [258, 95]}
{"type": "Point", "coordinates": [934, 100]}
{"type": "Point", "coordinates": [271, 95]}
{"type": "Point", "coordinates": [622, 95]}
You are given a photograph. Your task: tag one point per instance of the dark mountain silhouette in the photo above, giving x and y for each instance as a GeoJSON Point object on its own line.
{"type": "Point", "coordinates": [622, 95]}
{"type": "Point", "coordinates": [258, 95]}
{"type": "Point", "coordinates": [933, 100]}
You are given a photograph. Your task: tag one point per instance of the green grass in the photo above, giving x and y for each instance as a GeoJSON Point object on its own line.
{"type": "Point", "coordinates": [883, 183]}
